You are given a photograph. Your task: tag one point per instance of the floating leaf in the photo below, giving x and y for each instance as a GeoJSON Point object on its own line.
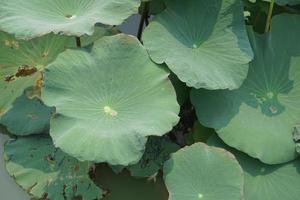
{"type": "Point", "coordinates": [108, 101]}
{"type": "Point", "coordinates": [266, 182]}
{"type": "Point", "coordinates": [203, 172]}
{"type": "Point", "coordinates": [259, 117]}
{"type": "Point", "coordinates": [34, 18]}
{"type": "Point", "coordinates": [123, 186]}
{"type": "Point", "coordinates": [204, 42]}
{"type": "Point", "coordinates": [22, 62]}
{"type": "Point", "coordinates": [27, 116]}
{"type": "Point", "coordinates": [46, 172]}
{"type": "Point", "coordinates": [158, 150]}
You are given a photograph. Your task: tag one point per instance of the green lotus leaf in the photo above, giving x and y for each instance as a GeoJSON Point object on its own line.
{"type": "Point", "coordinates": [208, 36]}
{"type": "Point", "coordinates": [46, 172]}
{"type": "Point", "coordinates": [263, 181]}
{"type": "Point", "coordinates": [22, 62]}
{"type": "Point", "coordinates": [27, 116]}
{"type": "Point", "coordinates": [157, 152]}
{"type": "Point", "coordinates": [259, 117]}
{"type": "Point", "coordinates": [9, 189]}
{"type": "Point", "coordinates": [124, 186]}
{"type": "Point", "coordinates": [33, 18]}
{"type": "Point", "coordinates": [203, 172]}
{"type": "Point", "coordinates": [108, 101]}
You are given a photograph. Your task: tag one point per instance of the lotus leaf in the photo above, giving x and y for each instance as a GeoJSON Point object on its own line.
{"type": "Point", "coordinates": [203, 172]}
{"type": "Point", "coordinates": [108, 101]}
{"type": "Point", "coordinates": [34, 18]}
{"type": "Point", "coordinates": [22, 62]}
{"type": "Point", "coordinates": [27, 116]}
{"type": "Point", "coordinates": [266, 182]}
{"type": "Point", "coordinates": [204, 42]}
{"type": "Point", "coordinates": [45, 172]}
{"type": "Point", "coordinates": [259, 118]}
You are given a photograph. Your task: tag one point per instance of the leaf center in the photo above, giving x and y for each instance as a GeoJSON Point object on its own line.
{"type": "Point", "coordinates": [110, 111]}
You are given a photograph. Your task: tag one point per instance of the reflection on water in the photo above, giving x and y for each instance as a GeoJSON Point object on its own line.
{"type": "Point", "coordinates": [8, 189]}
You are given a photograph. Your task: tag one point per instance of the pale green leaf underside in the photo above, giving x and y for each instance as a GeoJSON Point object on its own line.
{"type": "Point", "coordinates": [158, 150]}
{"type": "Point", "coordinates": [204, 42]}
{"type": "Point", "coordinates": [44, 171]}
{"type": "Point", "coordinates": [259, 117]}
{"type": "Point", "coordinates": [266, 182]}
{"type": "Point", "coordinates": [202, 172]}
{"type": "Point", "coordinates": [108, 100]}
{"type": "Point", "coordinates": [33, 55]}
{"type": "Point", "coordinates": [33, 18]}
{"type": "Point", "coordinates": [27, 116]}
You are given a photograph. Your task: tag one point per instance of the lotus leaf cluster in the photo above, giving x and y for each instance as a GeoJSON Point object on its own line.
{"type": "Point", "coordinates": [202, 103]}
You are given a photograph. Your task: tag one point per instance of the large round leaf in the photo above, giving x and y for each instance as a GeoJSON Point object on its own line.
{"type": "Point", "coordinates": [22, 62]}
{"type": "Point", "coordinates": [46, 172]}
{"type": "Point", "coordinates": [108, 101]}
{"type": "Point", "coordinates": [266, 182]}
{"type": "Point", "coordinates": [27, 116]}
{"type": "Point", "coordinates": [259, 117]}
{"type": "Point", "coordinates": [203, 172]}
{"type": "Point", "coordinates": [203, 42]}
{"type": "Point", "coordinates": [33, 18]}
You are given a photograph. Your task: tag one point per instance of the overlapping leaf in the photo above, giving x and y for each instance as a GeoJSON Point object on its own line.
{"type": "Point", "coordinates": [27, 116]}
{"type": "Point", "coordinates": [34, 18]}
{"type": "Point", "coordinates": [266, 182]}
{"type": "Point", "coordinates": [22, 62]}
{"type": "Point", "coordinates": [202, 172]}
{"type": "Point", "coordinates": [46, 172]}
{"type": "Point", "coordinates": [108, 100]}
{"type": "Point", "coordinates": [259, 117]}
{"type": "Point", "coordinates": [203, 42]}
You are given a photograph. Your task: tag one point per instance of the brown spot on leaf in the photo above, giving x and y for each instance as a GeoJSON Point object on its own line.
{"type": "Point", "coordinates": [12, 44]}
{"type": "Point", "coordinates": [25, 70]}
{"type": "Point", "coordinates": [44, 196]}
{"type": "Point", "coordinates": [50, 159]}
{"type": "Point", "coordinates": [45, 54]}
{"type": "Point", "coordinates": [31, 187]}
{"type": "Point", "coordinates": [9, 78]}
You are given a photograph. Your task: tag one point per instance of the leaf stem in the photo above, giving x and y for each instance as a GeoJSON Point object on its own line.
{"type": "Point", "coordinates": [144, 18]}
{"type": "Point", "coordinates": [268, 22]}
{"type": "Point", "coordinates": [78, 42]}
